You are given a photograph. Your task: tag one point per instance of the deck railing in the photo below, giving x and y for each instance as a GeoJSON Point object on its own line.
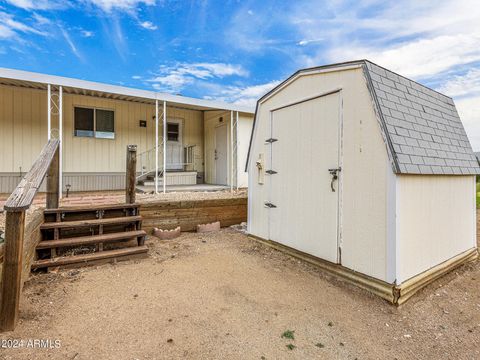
{"type": "Point", "coordinates": [16, 206]}
{"type": "Point", "coordinates": [146, 161]}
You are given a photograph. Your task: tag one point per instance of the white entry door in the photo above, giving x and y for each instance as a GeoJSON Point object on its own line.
{"type": "Point", "coordinates": [174, 144]}
{"type": "Point", "coordinates": [221, 155]}
{"type": "Point", "coordinates": [305, 216]}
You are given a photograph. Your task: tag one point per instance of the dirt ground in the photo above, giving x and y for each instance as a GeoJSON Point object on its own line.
{"type": "Point", "coordinates": [224, 296]}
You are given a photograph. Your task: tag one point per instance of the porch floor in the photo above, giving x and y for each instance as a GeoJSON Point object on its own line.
{"type": "Point", "coordinates": [184, 188]}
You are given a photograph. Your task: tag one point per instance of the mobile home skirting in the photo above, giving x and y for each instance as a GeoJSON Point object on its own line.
{"type": "Point", "coordinates": [93, 181]}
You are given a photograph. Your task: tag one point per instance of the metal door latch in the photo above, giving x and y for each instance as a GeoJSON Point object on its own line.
{"type": "Point", "coordinates": [271, 172]}
{"type": "Point", "coordinates": [270, 205]}
{"type": "Point", "coordinates": [334, 174]}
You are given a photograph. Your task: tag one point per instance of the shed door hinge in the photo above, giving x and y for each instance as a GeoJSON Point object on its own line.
{"type": "Point", "coordinates": [271, 172]}
{"type": "Point", "coordinates": [270, 205]}
{"type": "Point", "coordinates": [271, 140]}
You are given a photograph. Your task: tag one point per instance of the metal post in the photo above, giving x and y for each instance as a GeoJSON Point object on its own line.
{"type": "Point", "coordinates": [156, 146]}
{"type": "Point", "coordinates": [231, 150]}
{"type": "Point", "coordinates": [164, 147]}
{"type": "Point", "coordinates": [60, 137]}
{"type": "Point", "coordinates": [49, 111]}
{"type": "Point", "coordinates": [236, 151]}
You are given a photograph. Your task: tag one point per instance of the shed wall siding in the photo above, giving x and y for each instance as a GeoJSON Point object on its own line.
{"type": "Point", "coordinates": [435, 221]}
{"type": "Point", "coordinates": [364, 170]}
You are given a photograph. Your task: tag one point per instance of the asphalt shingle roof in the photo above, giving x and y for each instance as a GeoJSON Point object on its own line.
{"type": "Point", "coordinates": [422, 126]}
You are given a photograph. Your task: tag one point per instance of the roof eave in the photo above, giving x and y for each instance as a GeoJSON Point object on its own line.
{"type": "Point", "coordinates": [28, 76]}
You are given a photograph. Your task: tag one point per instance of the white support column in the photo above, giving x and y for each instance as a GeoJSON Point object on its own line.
{"type": "Point", "coordinates": [156, 146]}
{"type": "Point", "coordinates": [236, 151]}
{"type": "Point", "coordinates": [49, 111]}
{"type": "Point", "coordinates": [164, 147]}
{"type": "Point", "coordinates": [231, 150]}
{"type": "Point", "coordinates": [60, 137]}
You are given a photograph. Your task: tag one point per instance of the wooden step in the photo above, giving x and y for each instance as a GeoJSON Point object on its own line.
{"type": "Point", "coordinates": [93, 258]}
{"type": "Point", "coordinates": [88, 240]}
{"type": "Point", "coordinates": [83, 208]}
{"type": "Point", "coordinates": [87, 223]}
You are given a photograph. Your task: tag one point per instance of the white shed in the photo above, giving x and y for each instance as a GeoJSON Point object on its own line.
{"type": "Point", "coordinates": [367, 174]}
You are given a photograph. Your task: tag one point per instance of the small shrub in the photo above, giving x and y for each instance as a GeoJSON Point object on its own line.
{"type": "Point", "coordinates": [288, 334]}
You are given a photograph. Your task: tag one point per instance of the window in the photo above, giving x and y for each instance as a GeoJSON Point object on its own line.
{"type": "Point", "coordinates": [97, 123]}
{"type": "Point", "coordinates": [83, 122]}
{"type": "Point", "coordinates": [104, 127]}
{"type": "Point", "coordinates": [173, 131]}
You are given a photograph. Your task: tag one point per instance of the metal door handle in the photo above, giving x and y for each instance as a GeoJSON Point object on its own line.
{"type": "Point", "coordinates": [334, 174]}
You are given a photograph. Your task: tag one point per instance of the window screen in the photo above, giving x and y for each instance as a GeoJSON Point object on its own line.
{"type": "Point", "coordinates": [172, 131]}
{"type": "Point", "coordinates": [105, 124]}
{"type": "Point", "coordinates": [83, 122]}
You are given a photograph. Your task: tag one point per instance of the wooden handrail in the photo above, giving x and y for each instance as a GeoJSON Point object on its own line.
{"type": "Point", "coordinates": [22, 197]}
{"type": "Point", "coordinates": [15, 207]}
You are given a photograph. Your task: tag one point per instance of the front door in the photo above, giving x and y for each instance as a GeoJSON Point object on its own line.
{"type": "Point", "coordinates": [221, 155]}
{"type": "Point", "coordinates": [306, 147]}
{"type": "Point", "coordinates": [174, 144]}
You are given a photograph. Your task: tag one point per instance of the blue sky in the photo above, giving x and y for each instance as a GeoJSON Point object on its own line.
{"type": "Point", "coordinates": [237, 50]}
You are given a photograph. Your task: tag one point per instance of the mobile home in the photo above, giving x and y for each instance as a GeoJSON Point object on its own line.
{"type": "Point", "coordinates": [366, 173]}
{"type": "Point", "coordinates": [206, 142]}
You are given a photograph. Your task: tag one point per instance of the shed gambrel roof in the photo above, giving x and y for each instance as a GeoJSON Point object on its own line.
{"type": "Point", "coordinates": [421, 127]}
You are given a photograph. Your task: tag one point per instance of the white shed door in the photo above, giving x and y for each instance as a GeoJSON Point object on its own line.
{"type": "Point", "coordinates": [306, 213]}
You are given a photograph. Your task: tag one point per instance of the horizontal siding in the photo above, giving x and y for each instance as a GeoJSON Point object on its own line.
{"type": "Point", "coordinates": [23, 121]}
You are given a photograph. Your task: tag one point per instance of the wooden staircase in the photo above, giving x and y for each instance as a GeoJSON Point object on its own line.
{"type": "Point", "coordinates": [79, 236]}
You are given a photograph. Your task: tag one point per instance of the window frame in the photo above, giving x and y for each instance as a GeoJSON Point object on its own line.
{"type": "Point", "coordinates": [177, 124]}
{"type": "Point", "coordinates": [94, 108]}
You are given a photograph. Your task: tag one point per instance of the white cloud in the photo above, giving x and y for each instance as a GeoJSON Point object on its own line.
{"type": "Point", "coordinates": [70, 43]}
{"type": "Point", "coordinates": [41, 20]}
{"type": "Point", "coordinates": [38, 4]}
{"type": "Point", "coordinates": [174, 78]}
{"type": "Point", "coordinates": [421, 58]}
{"type": "Point", "coordinates": [148, 25]}
{"type": "Point", "coordinates": [246, 96]}
{"type": "Point", "coordinates": [9, 27]}
{"type": "Point", "coordinates": [87, 33]}
{"type": "Point", "coordinates": [416, 38]}
{"type": "Point", "coordinates": [463, 85]}
{"type": "Point", "coordinates": [308, 42]}
{"type": "Point", "coordinates": [136, 77]}
{"type": "Point", "coordinates": [125, 5]}
{"type": "Point", "coordinates": [106, 5]}
{"type": "Point", "coordinates": [469, 111]}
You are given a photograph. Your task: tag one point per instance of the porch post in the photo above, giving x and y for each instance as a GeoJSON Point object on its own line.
{"type": "Point", "coordinates": [231, 150]}
{"type": "Point", "coordinates": [49, 111]}
{"type": "Point", "coordinates": [236, 152]}
{"type": "Point", "coordinates": [60, 137]}
{"type": "Point", "coordinates": [156, 146]}
{"type": "Point", "coordinates": [164, 147]}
